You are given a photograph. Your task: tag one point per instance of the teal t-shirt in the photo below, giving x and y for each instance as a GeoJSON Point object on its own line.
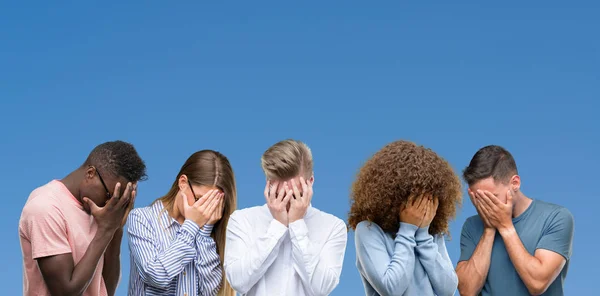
{"type": "Point", "coordinates": [542, 226]}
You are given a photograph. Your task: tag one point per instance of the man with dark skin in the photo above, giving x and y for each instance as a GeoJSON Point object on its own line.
{"type": "Point", "coordinates": [71, 229]}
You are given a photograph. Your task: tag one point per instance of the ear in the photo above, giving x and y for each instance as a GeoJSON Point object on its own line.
{"type": "Point", "coordinates": [515, 183]}
{"type": "Point", "coordinates": [183, 182]}
{"type": "Point", "coordinates": [311, 181]}
{"type": "Point", "coordinates": [90, 172]}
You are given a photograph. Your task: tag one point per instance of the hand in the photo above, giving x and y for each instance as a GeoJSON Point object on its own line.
{"type": "Point", "coordinates": [217, 213]}
{"type": "Point", "coordinates": [414, 211]}
{"type": "Point", "coordinates": [431, 210]}
{"type": "Point", "coordinates": [130, 206]}
{"type": "Point", "coordinates": [277, 203]}
{"type": "Point", "coordinates": [498, 214]}
{"type": "Point", "coordinates": [201, 211]}
{"type": "Point", "coordinates": [111, 216]}
{"type": "Point", "coordinates": [299, 202]}
{"type": "Point", "coordinates": [477, 203]}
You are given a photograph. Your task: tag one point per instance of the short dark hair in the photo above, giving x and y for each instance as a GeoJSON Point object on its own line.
{"type": "Point", "coordinates": [119, 159]}
{"type": "Point", "coordinates": [490, 161]}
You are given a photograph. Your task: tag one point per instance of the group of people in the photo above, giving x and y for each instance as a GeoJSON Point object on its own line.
{"type": "Point", "coordinates": [194, 241]}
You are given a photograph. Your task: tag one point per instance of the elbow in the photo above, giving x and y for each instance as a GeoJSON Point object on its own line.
{"type": "Point", "coordinates": [465, 289]}
{"type": "Point", "coordinates": [240, 286]}
{"type": "Point", "coordinates": [538, 287]}
{"type": "Point", "coordinates": [154, 280]}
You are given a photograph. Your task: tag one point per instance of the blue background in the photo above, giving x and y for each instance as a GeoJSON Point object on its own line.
{"type": "Point", "coordinates": [345, 77]}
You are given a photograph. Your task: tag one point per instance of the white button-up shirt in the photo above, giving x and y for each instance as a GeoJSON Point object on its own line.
{"type": "Point", "coordinates": [263, 257]}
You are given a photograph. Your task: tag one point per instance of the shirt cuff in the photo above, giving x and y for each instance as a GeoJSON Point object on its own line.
{"type": "Point", "coordinates": [188, 230]}
{"type": "Point", "coordinates": [298, 229]}
{"type": "Point", "coordinates": [206, 230]}
{"type": "Point", "coordinates": [276, 229]}
{"type": "Point", "coordinates": [422, 234]}
{"type": "Point", "coordinates": [407, 229]}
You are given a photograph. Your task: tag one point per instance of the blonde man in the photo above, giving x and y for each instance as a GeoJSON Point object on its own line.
{"type": "Point", "coordinates": [286, 246]}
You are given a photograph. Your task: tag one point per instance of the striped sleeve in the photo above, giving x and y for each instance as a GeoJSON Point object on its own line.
{"type": "Point", "coordinates": [208, 263]}
{"type": "Point", "coordinates": [160, 268]}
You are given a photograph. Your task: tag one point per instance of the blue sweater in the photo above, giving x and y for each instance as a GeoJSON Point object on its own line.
{"type": "Point", "coordinates": [414, 263]}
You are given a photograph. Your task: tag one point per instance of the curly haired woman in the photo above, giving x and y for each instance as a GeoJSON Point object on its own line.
{"type": "Point", "coordinates": [402, 200]}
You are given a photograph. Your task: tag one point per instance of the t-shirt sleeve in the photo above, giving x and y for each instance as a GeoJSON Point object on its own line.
{"type": "Point", "coordinates": [46, 229]}
{"type": "Point", "coordinates": [467, 242]}
{"type": "Point", "coordinates": [558, 234]}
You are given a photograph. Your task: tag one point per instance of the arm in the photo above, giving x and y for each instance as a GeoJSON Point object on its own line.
{"type": "Point", "coordinates": [388, 275]}
{"type": "Point", "coordinates": [208, 263]}
{"type": "Point", "coordinates": [474, 263]}
{"type": "Point", "coordinates": [319, 269]}
{"type": "Point", "coordinates": [160, 268]}
{"type": "Point", "coordinates": [111, 271]}
{"type": "Point", "coordinates": [433, 256]}
{"type": "Point", "coordinates": [247, 259]}
{"type": "Point", "coordinates": [540, 270]}
{"type": "Point", "coordinates": [63, 277]}
{"type": "Point", "coordinates": [47, 231]}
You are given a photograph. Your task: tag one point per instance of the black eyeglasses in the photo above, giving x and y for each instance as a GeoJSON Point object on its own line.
{"type": "Point", "coordinates": [108, 195]}
{"type": "Point", "coordinates": [193, 193]}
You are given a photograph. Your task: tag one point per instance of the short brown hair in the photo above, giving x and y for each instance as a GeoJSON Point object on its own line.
{"type": "Point", "coordinates": [398, 171]}
{"type": "Point", "coordinates": [491, 161]}
{"type": "Point", "coordinates": [287, 159]}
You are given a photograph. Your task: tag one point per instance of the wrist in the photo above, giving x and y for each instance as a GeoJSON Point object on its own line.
{"type": "Point", "coordinates": [507, 230]}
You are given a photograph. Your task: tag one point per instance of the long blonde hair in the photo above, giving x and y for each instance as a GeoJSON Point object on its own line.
{"type": "Point", "coordinates": [209, 168]}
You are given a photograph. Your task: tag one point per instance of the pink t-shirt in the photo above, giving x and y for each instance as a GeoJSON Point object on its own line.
{"type": "Point", "coordinates": [53, 222]}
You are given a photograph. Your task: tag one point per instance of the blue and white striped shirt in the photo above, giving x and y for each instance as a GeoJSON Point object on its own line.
{"type": "Point", "coordinates": [171, 259]}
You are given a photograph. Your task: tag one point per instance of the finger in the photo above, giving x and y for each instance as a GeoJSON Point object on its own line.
{"type": "Point", "coordinates": [485, 200]}
{"type": "Point", "coordinates": [492, 197]}
{"type": "Point", "coordinates": [288, 198]}
{"type": "Point", "coordinates": [422, 203]}
{"type": "Point", "coordinates": [210, 197]}
{"type": "Point", "coordinates": [124, 200]}
{"type": "Point", "coordinates": [436, 203]}
{"type": "Point", "coordinates": [92, 205]}
{"type": "Point", "coordinates": [482, 207]}
{"type": "Point", "coordinates": [307, 189]}
{"type": "Point", "coordinates": [267, 191]}
{"type": "Point", "coordinates": [296, 190]}
{"type": "Point", "coordinates": [186, 201]}
{"type": "Point", "coordinates": [509, 198]}
{"type": "Point", "coordinates": [273, 191]}
{"type": "Point", "coordinates": [282, 191]}
{"type": "Point", "coordinates": [213, 205]}
{"type": "Point", "coordinates": [117, 192]}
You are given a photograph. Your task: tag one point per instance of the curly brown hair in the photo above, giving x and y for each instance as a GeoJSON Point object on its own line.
{"type": "Point", "coordinates": [399, 170]}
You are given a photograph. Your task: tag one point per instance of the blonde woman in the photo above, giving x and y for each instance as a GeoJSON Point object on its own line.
{"type": "Point", "coordinates": [178, 242]}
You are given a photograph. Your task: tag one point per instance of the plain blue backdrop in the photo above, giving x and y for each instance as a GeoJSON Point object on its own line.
{"type": "Point", "coordinates": [346, 77]}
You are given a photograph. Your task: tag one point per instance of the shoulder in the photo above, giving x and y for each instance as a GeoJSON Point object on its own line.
{"type": "Point", "coordinates": [552, 210]}
{"type": "Point", "coordinates": [553, 215]}
{"type": "Point", "coordinates": [472, 224]}
{"type": "Point", "coordinates": [251, 212]}
{"type": "Point", "coordinates": [364, 228]}
{"type": "Point", "coordinates": [144, 216]}
{"type": "Point", "coordinates": [327, 218]}
{"type": "Point", "coordinates": [41, 202]}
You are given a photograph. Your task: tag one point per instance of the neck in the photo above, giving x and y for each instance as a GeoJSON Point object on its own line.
{"type": "Point", "coordinates": [520, 204]}
{"type": "Point", "coordinates": [176, 212]}
{"type": "Point", "coordinates": [72, 181]}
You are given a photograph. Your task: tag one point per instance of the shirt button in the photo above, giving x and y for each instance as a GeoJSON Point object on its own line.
{"type": "Point", "coordinates": [184, 275]}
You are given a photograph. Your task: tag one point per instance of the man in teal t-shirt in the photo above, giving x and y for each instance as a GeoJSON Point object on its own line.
{"type": "Point", "coordinates": [516, 245]}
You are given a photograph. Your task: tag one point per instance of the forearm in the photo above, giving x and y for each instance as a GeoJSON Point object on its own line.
{"type": "Point", "coordinates": [319, 269]}
{"type": "Point", "coordinates": [439, 268]}
{"type": "Point", "coordinates": [160, 268]}
{"type": "Point", "coordinates": [247, 260]}
{"type": "Point", "coordinates": [84, 271]}
{"type": "Point", "coordinates": [112, 263]}
{"type": "Point", "coordinates": [208, 263]}
{"type": "Point", "coordinates": [528, 267]}
{"type": "Point", "coordinates": [472, 273]}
